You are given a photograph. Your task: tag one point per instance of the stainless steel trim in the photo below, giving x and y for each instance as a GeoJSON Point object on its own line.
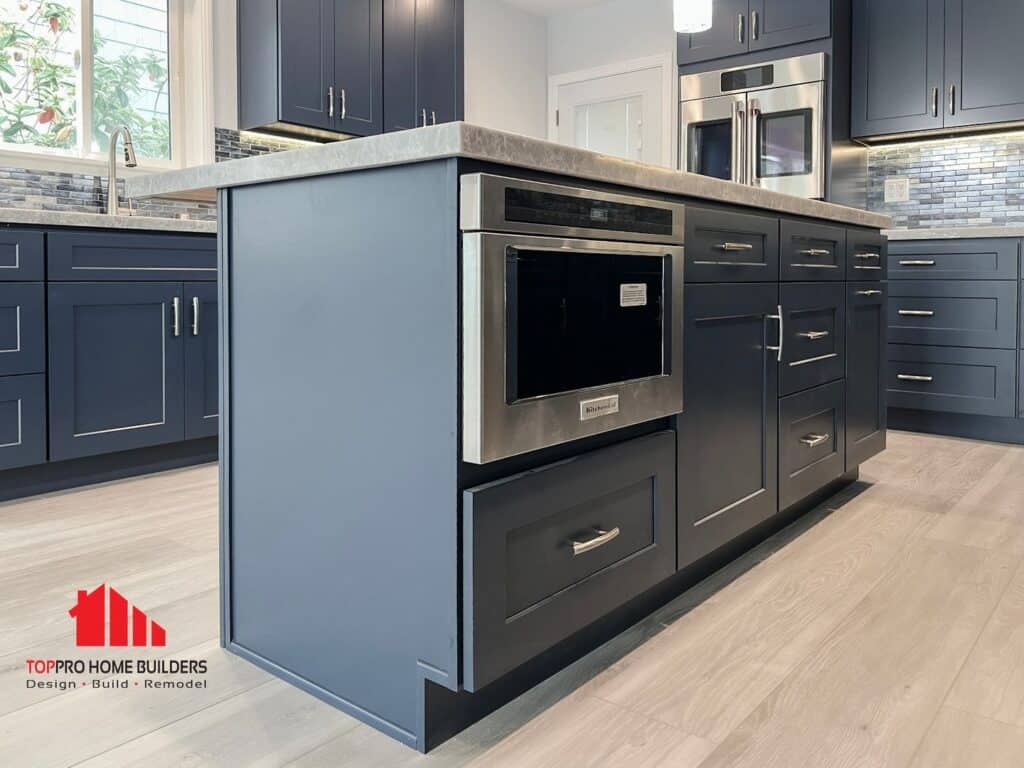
{"type": "Point", "coordinates": [913, 377]}
{"type": "Point", "coordinates": [814, 335]}
{"type": "Point", "coordinates": [330, 101]}
{"type": "Point", "coordinates": [813, 441]}
{"type": "Point", "coordinates": [796, 70]}
{"type": "Point", "coordinates": [871, 292]}
{"type": "Point", "coordinates": [917, 262]}
{"type": "Point", "coordinates": [740, 22]}
{"type": "Point", "coordinates": [734, 247]}
{"type": "Point", "coordinates": [952, 99]}
{"type": "Point", "coordinates": [176, 314]}
{"type": "Point", "coordinates": [344, 104]}
{"type": "Point", "coordinates": [935, 101]}
{"type": "Point", "coordinates": [916, 312]}
{"type": "Point", "coordinates": [782, 333]}
{"type": "Point", "coordinates": [599, 540]}
{"type": "Point", "coordinates": [755, 31]}
{"type": "Point", "coordinates": [807, 361]}
{"type": "Point", "coordinates": [754, 112]}
{"type": "Point", "coordinates": [195, 315]}
{"type": "Point", "coordinates": [738, 113]}
{"type": "Point", "coordinates": [493, 429]}
{"type": "Point", "coordinates": [483, 209]}
{"type": "Point", "coordinates": [815, 252]}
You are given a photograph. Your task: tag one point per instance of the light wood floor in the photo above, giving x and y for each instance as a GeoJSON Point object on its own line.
{"type": "Point", "coordinates": [884, 629]}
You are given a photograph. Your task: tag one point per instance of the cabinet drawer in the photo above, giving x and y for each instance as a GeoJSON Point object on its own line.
{"type": "Point", "coordinates": [954, 380]}
{"type": "Point", "coordinates": [945, 313]}
{"type": "Point", "coordinates": [527, 586]}
{"type": "Point", "coordinates": [813, 334]}
{"type": "Point", "coordinates": [110, 256]}
{"type": "Point", "coordinates": [812, 251]}
{"type": "Point", "coordinates": [726, 247]}
{"type": "Point", "coordinates": [988, 259]}
{"type": "Point", "coordinates": [867, 254]}
{"type": "Point", "coordinates": [21, 255]}
{"type": "Point", "coordinates": [22, 328]}
{"type": "Point", "coordinates": [22, 421]}
{"type": "Point", "coordinates": [812, 441]}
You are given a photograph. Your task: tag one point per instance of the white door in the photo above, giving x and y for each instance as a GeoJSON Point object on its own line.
{"type": "Point", "coordinates": [618, 114]}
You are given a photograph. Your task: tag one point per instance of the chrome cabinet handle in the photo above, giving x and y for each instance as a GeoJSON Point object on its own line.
{"type": "Point", "coordinates": [433, 117]}
{"type": "Point", "coordinates": [755, 32]}
{"type": "Point", "coordinates": [952, 99]}
{"type": "Point", "coordinates": [740, 21]}
{"type": "Point", "coordinates": [813, 441]}
{"type": "Point", "coordinates": [176, 316]}
{"type": "Point", "coordinates": [813, 335]}
{"type": "Point", "coordinates": [344, 104]}
{"type": "Point", "coordinates": [917, 312]}
{"type": "Point", "coordinates": [424, 113]}
{"type": "Point", "coordinates": [912, 377]}
{"type": "Point", "coordinates": [735, 247]}
{"type": "Point", "coordinates": [330, 102]}
{"type": "Point", "coordinates": [872, 292]}
{"type": "Point", "coordinates": [935, 101]}
{"type": "Point", "coordinates": [815, 252]}
{"type": "Point", "coordinates": [782, 333]}
{"type": "Point", "coordinates": [866, 256]}
{"type": "Point", "coordinates": [599, 540]}
{"type": "Point", "coordinates": [195, 315]}
{"type": "Point", "coordinates": [917, 262]}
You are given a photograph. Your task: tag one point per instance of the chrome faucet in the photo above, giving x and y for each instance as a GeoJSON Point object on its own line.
{"type": "Point", "coordinates": [129, 160]}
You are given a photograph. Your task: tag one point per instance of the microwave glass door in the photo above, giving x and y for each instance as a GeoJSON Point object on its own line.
{"type": "Point", "coordinates": [788, 151]}
{"type": "Point", "coordinates": [577, 320]}
{"type": "Point", "coordinates": [711, 131]}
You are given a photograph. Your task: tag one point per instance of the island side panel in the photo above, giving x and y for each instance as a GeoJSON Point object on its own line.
{"type": "Point", "coordinates": [340, 476]}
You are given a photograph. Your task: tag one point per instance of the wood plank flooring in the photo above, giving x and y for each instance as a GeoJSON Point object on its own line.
{"type": "Point", "coordinates": [885, 628]}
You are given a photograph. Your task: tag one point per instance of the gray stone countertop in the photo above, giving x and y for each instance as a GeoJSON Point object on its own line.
{"type": "Point", "coordinates": [485, 144]}
{"type": "Point", "coordinates": [955, 233]}
{"type": "Point", "coordinates": [42, 218]}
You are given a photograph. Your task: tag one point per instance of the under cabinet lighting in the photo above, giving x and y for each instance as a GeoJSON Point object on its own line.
{"type": "Point", "coordinates": [692, 16]}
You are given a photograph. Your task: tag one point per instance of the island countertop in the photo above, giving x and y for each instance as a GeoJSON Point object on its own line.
{"type": "Point", "coordinates": [465, 140]}
{"type": "Point", "coordinates": [46, 218]}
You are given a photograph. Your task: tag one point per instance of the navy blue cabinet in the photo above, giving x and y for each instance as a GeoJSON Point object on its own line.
{"type": "Point", "coordinates": [866, 355]}
{"type": "Point", "coordinates": [116, 367]}
{"type": "Point", "coordinates": [22, 328]}
{"type": "Point", "coordinates": [307, 62]}
{"type": "Point", "coordinates": [21, 255]}
{"type": "Point", "coordinates": [727, 36]}
{"type": "Point", "coordinates": [812, 441]}
{"type": "Point", "coordinates": [358, 45]}
{"type": "Point", "coordinates": [22, 421]}
{"type": "Point", "coordinates": [202, 393]}
{"type": "Point", "coordinates": [728, 432]}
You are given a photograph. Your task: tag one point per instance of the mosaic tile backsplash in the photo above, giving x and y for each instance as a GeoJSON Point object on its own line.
{"type": "Point", "coordinates": [975, 181]}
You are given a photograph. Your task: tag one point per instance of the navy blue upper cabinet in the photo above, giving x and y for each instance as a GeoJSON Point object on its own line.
{"type": "Point", "coordinates": [115, 364]}
{"type": "Point", "coordinates": [897, 66]}
{"type": "Point", "coordinates": [358, 41]}
{"type": "Point", "coordinates": [307, 62]}
{"type": "Point", "coordinates": [984, 61]}
{"type": "Point", "coordinates": [739, 26]}
{"type": "Point", "coordinates": [202, 393]}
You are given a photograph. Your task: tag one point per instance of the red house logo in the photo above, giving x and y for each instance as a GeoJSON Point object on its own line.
{"type": "Point", "coordinates": [91, 612]}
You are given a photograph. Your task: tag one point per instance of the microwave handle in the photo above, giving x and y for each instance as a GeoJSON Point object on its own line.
{"type": "Point", "coordinates": [739, 131]}
{"type": "Point", "coordinates": [753, 113]}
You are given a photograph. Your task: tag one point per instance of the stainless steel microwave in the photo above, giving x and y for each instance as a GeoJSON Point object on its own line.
{"type": "Point", "coordinates": [571, 314]}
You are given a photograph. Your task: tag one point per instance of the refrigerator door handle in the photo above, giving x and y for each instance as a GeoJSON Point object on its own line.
{"type": "Point", "coordinates": [753, 113]}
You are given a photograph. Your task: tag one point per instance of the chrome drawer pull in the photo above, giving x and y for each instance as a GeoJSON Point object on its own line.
{"type": "Point", "coordinates": [912, 377]}
{"type": "Point", "coordinates": [176, 316]}
{"type": "Point", "coordinates": [195, 315]}
{"type": "Point", "coordinates": [818, 359]}
{"type": "Point", "coordinates": [872, 292]}
{"type": "Point", "coordinates": [813, 335]}
{"type": "Point", "coordinates": [917, 313]}
{"type": "Point", "coordinates": [813, 441]}
{"type": "Point", "coordinates": [865, 266]}
{"type": "Point", "coordinates": [600, 539]}
{"type": "Point", "coordinates": [781, 317]}
{"type": "Point", "coordinates": [917, 262]}
{"type": "Point", "coordinates": [867, 255]}
{"type": "Point", "coordinates": [816, 266]}
{"type": "Point", "coordinates": [735, 247]}
{"type": "Point", "coordinates": [815, 252]}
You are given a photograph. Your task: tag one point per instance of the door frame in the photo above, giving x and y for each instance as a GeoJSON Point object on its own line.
{"type": "Point", "coordinates": [663, 61]}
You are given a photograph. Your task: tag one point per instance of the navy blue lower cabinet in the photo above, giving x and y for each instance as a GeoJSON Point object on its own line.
{"type": "Point", "coordinates": [812, 251]}
{"type": "Point", "coordinates": [866, 356]}
{"type": "Point", "coordinates": [812, 441]}
{"type": "Point", "coordinates": [814, 334]}
{"type": "Point", "coordinates": [21, 255]}
{"type": "Point", "coordinates": [982, 382]}
{"type": "Point", "coordinates": [954, 313]}
{"type": "Point", "coordinates": [728, 432]}
{"type": "Point", "coordinates": [22, 328]}
{"type": "Point", "coordinates": [22, 421]}
{"type": "Point", "coordinates": [116, 367]}
{"type": "Point", "coordinates": [549, 551]}
{"type": "Point", "coordinates": [202, 394]}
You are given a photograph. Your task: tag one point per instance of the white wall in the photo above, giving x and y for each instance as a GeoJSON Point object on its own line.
{"type": "Point", "coordinates": [506, 68]}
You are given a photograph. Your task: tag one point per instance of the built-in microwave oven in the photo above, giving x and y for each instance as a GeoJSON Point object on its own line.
{"type": "Point", "coordinates": [571, 314]}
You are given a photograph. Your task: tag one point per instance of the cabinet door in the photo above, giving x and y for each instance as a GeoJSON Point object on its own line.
{"type": "Point", "coordinates": [306, 40]}
{"type": "Point", "coordinates": [115, 367]}
{"type": "Point", "coordinates": [784, 22]}
{"type": "Point", "coordinates": [22, 328]}
{"type": "Point", "coordinates": [22, 421]}
{"type": "Point", "coordinates": [984, 61]}
{"type": "Point", "coordinates": [401, 87]}
{"type": "Point", "coordinates": [728, 434]}
{"type": "Point", "coordinates": [438, 26]}
{"type": "Point", "coordinates": [202, 394]}
{"type": "Point", "coordinates": [866, 355]}
{"type": "Point", "coordinates": [812, 441]}
{"type": "Point", "coordinates": [727, 37]}
{"type": "Point", "coordinates": [897, 66]}
{"type": "Point", "coordinates": [358, 41]}
{"type": "Point", "coordinates": [814, 340]}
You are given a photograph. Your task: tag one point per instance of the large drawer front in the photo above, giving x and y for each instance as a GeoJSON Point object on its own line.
{"type": "Point", "coordinates": [812, 251]}
{"type": "Point", "coordinates": [525, 585]}
{"type": "Point", "coordinates": [987, 259]}
{"type": "Point", "coordinates": [21, 255]}
{"type": "Point", "coordinates": [812, 441]}
{"type": "Point", "coordinates": [946, 313]}
{"type": "Point", "coordinates": [22, 421]}
{"type": "Point", "coordinates": [953, 380]}
{"type": "Point", "coordinates": [867, 255]}
{"type": "Point", "coordinates": [108, 256]}
{"type": "Point", "coordinates": [22, 328]}
{"type": "Point", "coordinates": [814, 335]}
{"type": "Point", "coordinates": [726, 247]}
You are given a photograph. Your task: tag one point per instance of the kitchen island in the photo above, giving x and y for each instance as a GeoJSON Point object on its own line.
{"type": "Point", "coordinates": [406, 545]}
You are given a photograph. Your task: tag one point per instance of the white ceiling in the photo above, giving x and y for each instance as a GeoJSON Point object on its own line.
{"type": "Point", "coordinates": [551, 7]}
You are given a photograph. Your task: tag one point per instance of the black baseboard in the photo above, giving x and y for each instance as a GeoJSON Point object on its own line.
{"type": "Point", "coordinates": [61, 475]}
{"type": "Point", "coordinates": [448, 712]}
{"type": "Point", "coordinates": [993, 428]}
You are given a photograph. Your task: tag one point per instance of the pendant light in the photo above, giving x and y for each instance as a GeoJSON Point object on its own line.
{"type": "Point", "coordinates": [692, 16]}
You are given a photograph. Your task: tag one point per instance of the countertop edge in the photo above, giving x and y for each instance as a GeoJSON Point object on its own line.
{"type": "Point", "coordinates": [30, 217]}
{"type": "Point", "coordinates": [955, 233]}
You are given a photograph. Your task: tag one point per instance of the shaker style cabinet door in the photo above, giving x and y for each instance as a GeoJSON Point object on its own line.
{"type": "Point", "coordinates": [115, 367]}
{"type": "Point", "coordinates": [784, 22]}
{"type": "Point", "coordinates": [358, 41]}
{"type": "Point", "coordinates": [22, 328]}
{"type": "Point", "coordinates": [866, 356]}
{"type": "Point", "coordinates": [728, 434]}
{"type": "Point", "coordinates": [729, 34]}
{"type": "Point", "coordinates": [202, 393]}
{"type": "Point", "coordinates": [401, 86]}
{"type": "Point", "coordinates": [897, 66]}
{"type": "Point", "coordinates": [22, 421]}
{"type": "Point", "coordinates": [306, 52]}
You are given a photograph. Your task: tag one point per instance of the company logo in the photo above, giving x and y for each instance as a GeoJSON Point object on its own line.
{"type": "Point", "coordinates": [91, 621]}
